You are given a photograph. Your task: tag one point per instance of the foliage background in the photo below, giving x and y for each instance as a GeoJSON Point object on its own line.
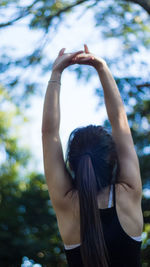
{"type": "Point", "coordinates": [28, 225]}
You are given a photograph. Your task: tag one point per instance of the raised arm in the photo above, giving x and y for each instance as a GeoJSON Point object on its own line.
{"type": "Point", "coordinates": [57, 177]}
{"type": "Point", "coordinates": [129, 164]}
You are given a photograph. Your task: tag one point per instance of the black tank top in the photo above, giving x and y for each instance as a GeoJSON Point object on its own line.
{"type": "Point", "coordinates": [123, 250]}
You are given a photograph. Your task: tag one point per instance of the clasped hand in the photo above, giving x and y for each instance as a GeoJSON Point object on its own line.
{"type": "Point", "coordinates": [81, 57]}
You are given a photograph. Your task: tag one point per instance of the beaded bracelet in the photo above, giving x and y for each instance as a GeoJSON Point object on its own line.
{"type": "Point", "coordinates": [54, 81]}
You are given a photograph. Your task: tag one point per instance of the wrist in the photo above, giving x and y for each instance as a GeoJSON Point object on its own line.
{"type": "Point", "coordinates": [101, 66]}
{"type": "Point", "coordinates": [56, 75]}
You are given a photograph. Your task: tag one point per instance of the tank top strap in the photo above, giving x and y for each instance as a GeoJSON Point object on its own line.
{"type": "Point", "coordinates": [110, 197]}
{"type": "Point", "coordinates": [114, 195]}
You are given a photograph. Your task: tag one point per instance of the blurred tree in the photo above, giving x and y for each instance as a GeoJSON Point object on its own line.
{"type": "Point", "coordinates": [128, 22]}
{"type": "Point", "coordinates": [28, 225]}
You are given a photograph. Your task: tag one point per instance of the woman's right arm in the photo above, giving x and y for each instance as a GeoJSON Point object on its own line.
{"type": "Point", "coordinates": [129, 164]}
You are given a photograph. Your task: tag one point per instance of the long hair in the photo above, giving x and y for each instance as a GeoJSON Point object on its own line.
{"type": "Point", "coordinates": [91, 158]}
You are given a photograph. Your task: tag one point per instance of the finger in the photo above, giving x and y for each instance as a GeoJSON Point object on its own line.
{"type": "Point", "coordinates": [86, 49]}
{"type": "Point", "coordinates": [84, 59]}
{"type": "Point", "coordinates": [77, 53]}
{"type": "Point", "coordinates": [79, 57]}
{"type": "Point", "coordinates": [61, 52]}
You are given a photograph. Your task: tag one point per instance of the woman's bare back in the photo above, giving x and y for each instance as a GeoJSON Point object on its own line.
{"type": "Point", "coordinates": [129, 214]}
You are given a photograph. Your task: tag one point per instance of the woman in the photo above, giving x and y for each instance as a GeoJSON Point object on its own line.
{"type": "Point", "coordinates": [96, 193]}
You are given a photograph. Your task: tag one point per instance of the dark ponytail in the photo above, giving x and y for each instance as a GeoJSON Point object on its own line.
{"type": "Point", "coordinates": [93, 250]}
{"type": "Point", "coordinates": [91, 158]}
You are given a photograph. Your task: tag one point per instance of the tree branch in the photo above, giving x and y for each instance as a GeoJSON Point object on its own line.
{"type": "Point", "coordinates": [22, 15]}
{"type": "Point", "coordinates": [26, 12]}
{"type": "Point", "coordinates": [143, 85]}
{"type": "Point", "coordinates": [143, 3]}
{"type": "Point", "coordinates": [63, 10]}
